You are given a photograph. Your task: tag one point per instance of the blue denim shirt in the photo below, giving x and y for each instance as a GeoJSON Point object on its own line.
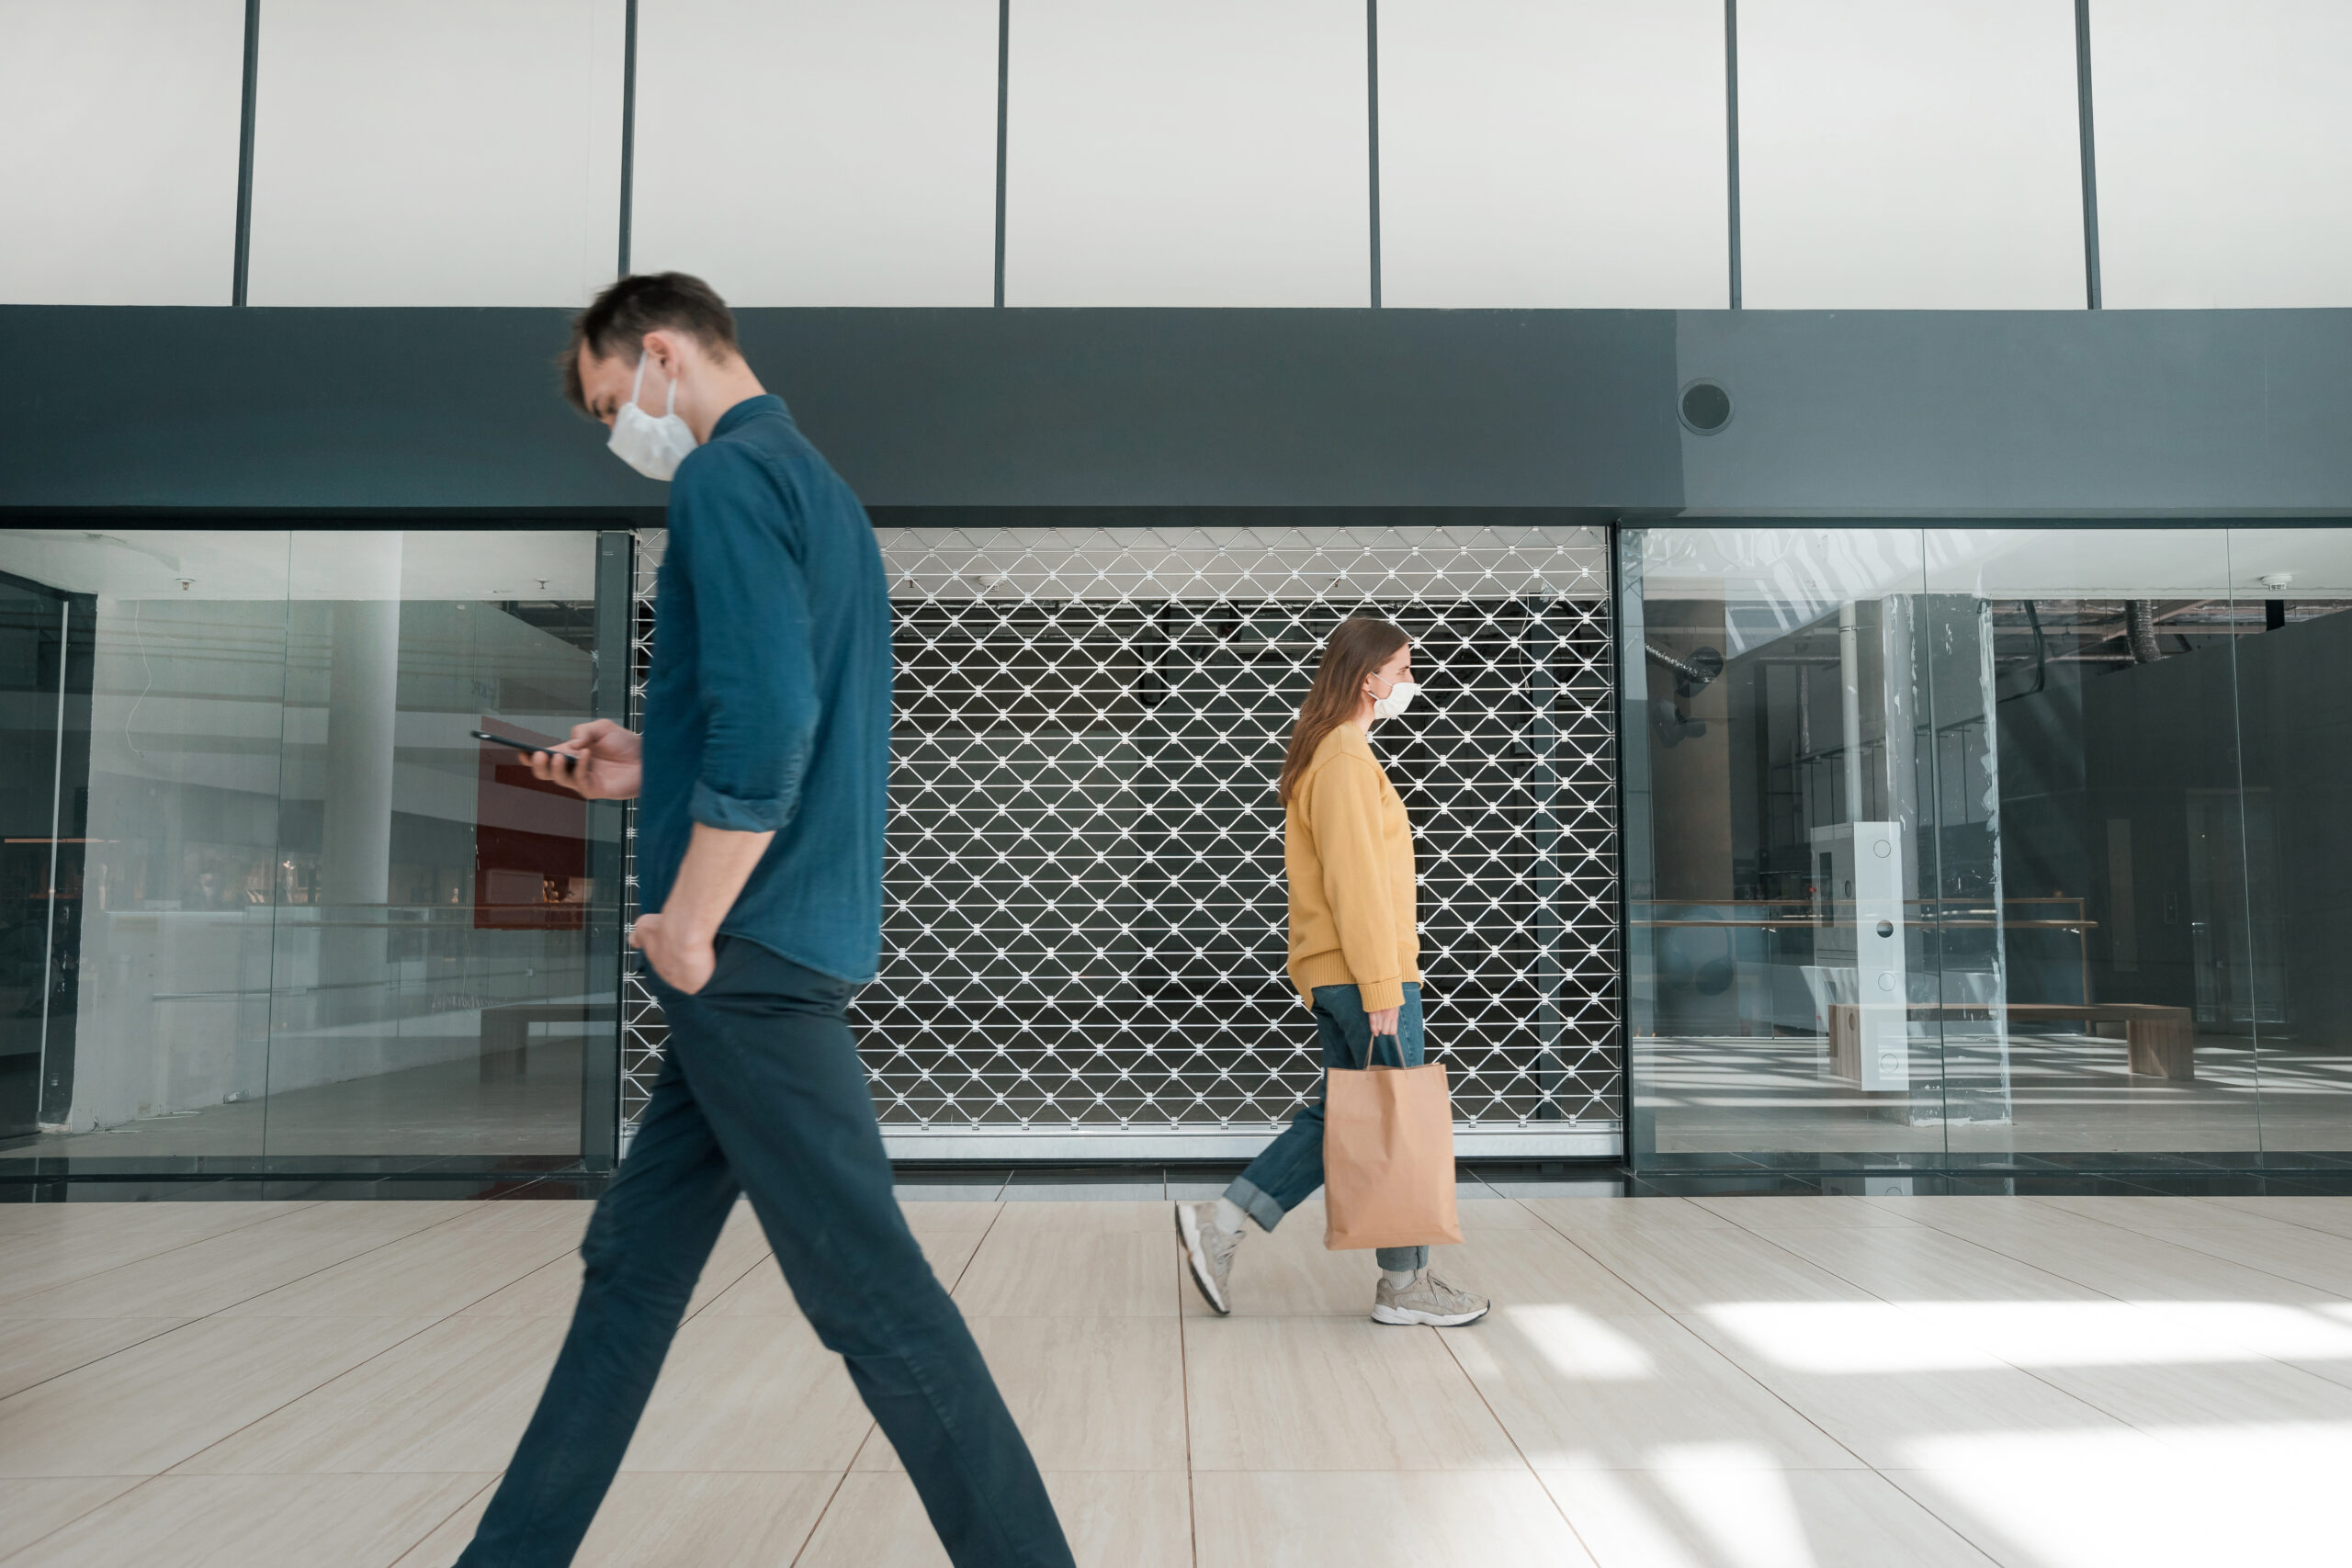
{"type": "Point", "coordinates": [768, 706]}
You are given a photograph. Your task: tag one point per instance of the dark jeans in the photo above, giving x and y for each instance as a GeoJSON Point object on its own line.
{"type": "Point", "coordinates": [762, 1092]}
{"type": "Point", "coordinates": [1291, 1169]}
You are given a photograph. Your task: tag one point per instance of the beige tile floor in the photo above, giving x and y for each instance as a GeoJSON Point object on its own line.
{"type": "Point", "coordinates": [1712, 1382]}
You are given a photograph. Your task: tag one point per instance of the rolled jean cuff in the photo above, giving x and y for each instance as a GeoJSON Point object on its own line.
{"type": "Point", "coordinates": [1246, 1197]}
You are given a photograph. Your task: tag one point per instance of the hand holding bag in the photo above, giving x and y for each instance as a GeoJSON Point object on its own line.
{"type": "Point", "coordinates": [1388, 1157]}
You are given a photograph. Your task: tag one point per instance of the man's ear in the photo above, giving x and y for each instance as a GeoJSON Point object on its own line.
{"type": "Point", "coordinates": [663, 351]}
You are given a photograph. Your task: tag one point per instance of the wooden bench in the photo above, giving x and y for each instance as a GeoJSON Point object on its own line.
{"type": "Point", "coordinates": [2159, 1042]}
{"type": "Point", "coordinates": [506, 1031]}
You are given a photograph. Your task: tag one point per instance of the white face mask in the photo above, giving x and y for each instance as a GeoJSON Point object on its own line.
{"type": "Point", "coordinates": [1400, 698]}
{"type": "Point", "coordinates": [655, 448]}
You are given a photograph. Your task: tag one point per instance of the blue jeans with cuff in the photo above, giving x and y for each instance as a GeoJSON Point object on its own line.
{"type": "Point", "coordinates": [1291, 1169]}
{"type": "Point", "coordinates": [762, 1093]}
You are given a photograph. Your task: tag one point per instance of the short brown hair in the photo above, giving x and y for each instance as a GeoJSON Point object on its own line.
{"type": "Point", "coordinates": [617, 321]}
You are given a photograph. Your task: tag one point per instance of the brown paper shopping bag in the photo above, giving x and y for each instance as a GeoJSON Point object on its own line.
{"type": "Point", "coordinates": [1388, 1157]}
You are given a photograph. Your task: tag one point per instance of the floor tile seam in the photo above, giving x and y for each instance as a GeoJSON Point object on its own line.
{"type": "Point", "coordinates": [1958, 1534]}
{"type": "Point", "coordinates": [2160, 1241]}
{"type": "Point", "coordinates": [63, 1371]}
{"type": "Point", "coordinates": [1176, 1282]}
{"type": "Point", "coordinates": [1595, 1260]}
{"type": "Point", "coordinates": [2001, 1361]}
{"type": "Point", "coordinates": [298, 1278]}
{"type": "Point", "coordinates": [817, 1523]}
{"type": "Point", "coordinates": [1900, 1305]}
{"type": "Point", "coordinates": [895, 1467]}
{"type": "Point", "coordinates": [67, 1524]}
{"type": "Point", "coordinates": [149, 1257]}
{"type": "Point", "coordinates": [1712, 1348]}
{"type": "Point", "coordinates": [1513, 1437]}
{"type": "Point", "coordinates": [2220, 1207]}
{"type": "Point", "coordinates": [2187, 1242]}
{"type": "Point", "coordinates": [720, 1294]}
{"type": "Point", "coordinates": [423, 1326]}
{"type": "Point", "coordinates": [1965, 1537]}
{"type": "Point", "coordinates": [2130, 1226]}
{"type": "Point", "coordinates": [230, 1310]}
{"type": "Point", "coordinates": [462, 1505]}
{"type": "Point", "coordinates": [1514, 1466]}
{"type": "Point", "coordinates": [2044, 1267]}
{"type": "Point", "coordinates": [1904, 1306]}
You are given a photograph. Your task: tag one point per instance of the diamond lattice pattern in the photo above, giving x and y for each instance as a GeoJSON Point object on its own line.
{"type": "Point", "coordinates": [1084, 909]}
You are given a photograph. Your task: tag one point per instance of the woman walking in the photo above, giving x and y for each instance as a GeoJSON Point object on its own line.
{"type": "Point", "coordinates": [1354, 943]}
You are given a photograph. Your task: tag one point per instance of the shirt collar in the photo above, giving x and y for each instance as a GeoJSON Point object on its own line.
{"type": "Point", "coordinates": [748, 410]}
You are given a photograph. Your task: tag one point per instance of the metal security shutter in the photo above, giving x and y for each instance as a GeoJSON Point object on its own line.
{"type": "Point", "coordinates": [1084, 914]}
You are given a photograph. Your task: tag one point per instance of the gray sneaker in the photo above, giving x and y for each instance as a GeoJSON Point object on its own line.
{"type": "Point", "coordinates": [1208, 1250]}
{"type": "Point", "coordinates": [1427, 1299]}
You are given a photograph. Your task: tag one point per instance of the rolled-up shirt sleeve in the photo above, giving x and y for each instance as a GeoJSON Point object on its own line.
{"type": "Point", "coordinates": [751, 610]}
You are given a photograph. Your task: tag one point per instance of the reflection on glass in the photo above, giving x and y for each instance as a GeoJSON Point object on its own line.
{"type": "Point", "coordinates": [1780, 863]}
{"type": "Point", "coordinates": [45, 639]}
{"type": "Point", "coordinates": [2113, 780]}
{"type": "Point", "coordinates": [1988, 845]}
{"type": "Point", "coordinates": [2277, 955]}
{"type": "Point", "coordinates": [322, 920]}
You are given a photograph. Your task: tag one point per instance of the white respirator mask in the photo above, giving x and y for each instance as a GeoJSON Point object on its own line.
{"type": "Point", "coordinates": [1400, 698]}
{"type": "Point", "coordinates": [655, 448]}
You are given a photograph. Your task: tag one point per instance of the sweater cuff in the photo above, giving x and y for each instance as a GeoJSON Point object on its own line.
{"type": "Point", "coordinates": [1379, 994]}
{"type": "Point", "coordinates": [733, 812]}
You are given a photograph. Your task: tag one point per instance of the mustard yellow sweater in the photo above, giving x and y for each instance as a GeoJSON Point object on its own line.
{"type": "Point", "coordinates": [1349, 855]}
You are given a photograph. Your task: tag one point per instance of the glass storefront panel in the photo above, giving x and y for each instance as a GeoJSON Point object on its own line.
{"type": "Point", "coordinates": [45, 646]}
{"type": "Point", "coordinates": [2091, 835]}
{"type": "Point", "coordinates": [2275, 961]}
{"type": "Point", "coordinates": [1781, 926]}
{"type": "Point", "coordinates": [2105, 762]}
{"type": "Point", "coordinates": [304, 914]}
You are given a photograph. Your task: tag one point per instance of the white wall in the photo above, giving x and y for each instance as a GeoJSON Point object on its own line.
{"type": "Point", "coordinates": [2224, 136]}
{"type": "Point", "coordinates": [437, 151]}
{"type": "Point", "coordinates": [1909, 154]}
{"type": "Point", "coordinates": [1542, 153]}
{"type": "Point", "coordinates": [828, 154]}
{"type": "Point", "coordinates": [119, 184]}
{"type": "Point", "coordinates": [1212, 154]}
{"type": "Point", "coordinates": [1896, 153]}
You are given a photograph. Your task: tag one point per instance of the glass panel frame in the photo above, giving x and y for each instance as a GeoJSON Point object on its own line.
{"type": "Point", "coordinates": [224, 717]}
{"type": "Point", "coordinates": [1788, 659]}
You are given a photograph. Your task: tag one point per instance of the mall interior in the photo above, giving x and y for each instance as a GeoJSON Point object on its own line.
{"type": "Point", "coordinates": [1868, 490]}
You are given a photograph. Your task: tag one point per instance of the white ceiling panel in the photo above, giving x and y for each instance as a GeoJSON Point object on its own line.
{"type": "Point", "coordinates": [437, 151]}
{"type": "Point", "coordinates": [2224, 136]}
{"type": "Point", "coordinates": [804, 153]}
{"type": "Point", "coordinates": [1542, 153]}
{"type": "Point", "coordinates": [1921, 154]}
{"type": "Point", "coordinates": [1216, 154]}
{"type": "Point", "coordinates": [120, 183]}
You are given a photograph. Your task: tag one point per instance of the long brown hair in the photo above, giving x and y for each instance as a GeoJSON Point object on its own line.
{"type": "Point", "coordinates": [1361, 645]}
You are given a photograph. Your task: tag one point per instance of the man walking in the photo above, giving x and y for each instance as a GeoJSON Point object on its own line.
{"type": "Point", "coordinates": [761, 788]}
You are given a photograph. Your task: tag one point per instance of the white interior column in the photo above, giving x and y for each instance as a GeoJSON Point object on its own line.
{"type": "Point", "coordinates": [356, 839]}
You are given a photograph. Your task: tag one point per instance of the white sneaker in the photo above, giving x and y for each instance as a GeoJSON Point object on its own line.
{"type": "Point", "coordinates": [1427, 1299]}
{"type": "Point", "coordinates": [1208, 1250]}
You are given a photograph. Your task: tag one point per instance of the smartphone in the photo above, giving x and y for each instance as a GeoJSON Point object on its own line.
{"type": "Point", "coordinates": [510, 740]}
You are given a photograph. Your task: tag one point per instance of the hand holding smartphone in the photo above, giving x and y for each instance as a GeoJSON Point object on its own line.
{"type": "Point", "coordinates": [523, 746]}
{"type": "Point", "coordinates": [601, 762]}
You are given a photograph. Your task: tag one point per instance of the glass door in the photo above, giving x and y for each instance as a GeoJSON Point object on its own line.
{"type": "Point", "coordinates": [2091, 832]}
{"type": "Point", "coordinates": [266, 903]}
{"type": "Point", "coordinates": [45, 644]}
{"type": "Point", "coordinates": [1784, 921]}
